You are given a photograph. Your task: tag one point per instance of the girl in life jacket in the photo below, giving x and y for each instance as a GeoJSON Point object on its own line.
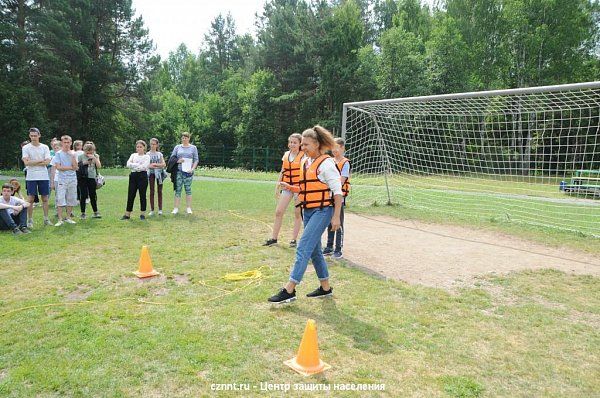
{"type": "Point", "coordinates": [320, 196]}
{"type": "Point", "coordinates": [290, 173]}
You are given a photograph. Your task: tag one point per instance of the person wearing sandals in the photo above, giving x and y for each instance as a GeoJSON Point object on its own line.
{"type": "Point", "coordinates": [320, 196]}
{"type": "Point", "coordinates": [187, 157]}
{"type": "Point", "coordinates": [138, 179]}
{"type": "Point", "coordinates": [290, 173]}
{"type": "Point", "coordinates": [156, 175]}
{"type": "Point", "coordinates": [89, 163]}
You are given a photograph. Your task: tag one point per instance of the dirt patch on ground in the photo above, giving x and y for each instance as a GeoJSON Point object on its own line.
{"type": "Point", "coordinates": [448, 256]}
{"type": "Point", "coordinates": [181, 279]}
{"type": "Point", "coordinates": [80, 294]}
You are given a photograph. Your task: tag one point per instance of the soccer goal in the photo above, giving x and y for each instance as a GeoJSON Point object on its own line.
{"type": "Point", "coordinates": [524, 155]}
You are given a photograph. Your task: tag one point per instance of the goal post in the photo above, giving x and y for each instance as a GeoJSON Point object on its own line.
{"type": "Point", "coordinates": [527, 155]}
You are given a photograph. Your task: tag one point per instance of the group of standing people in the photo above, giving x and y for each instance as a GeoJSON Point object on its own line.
{"type": "Point", "coordinates": [149, 169]}
{"type": "Point", "coordinates": [317, 182]}
{"type": "Point", "coordinates": [71, 169]}
{"type": "Point", "coordinates": [72, 174]}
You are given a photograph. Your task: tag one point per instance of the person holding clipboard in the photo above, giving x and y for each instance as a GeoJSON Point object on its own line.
{"type": "Point", "coordinates": [187, 159]}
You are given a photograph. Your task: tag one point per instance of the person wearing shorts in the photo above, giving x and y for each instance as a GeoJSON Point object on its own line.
{"type": "Point", "coordinates": [185, 153]}
{"type": "Point", "coordinates": [36, 157]}
{"type": "Point", "coordinates": [290, 173]}
{"type": "Point", "coordinates": [65, 163]}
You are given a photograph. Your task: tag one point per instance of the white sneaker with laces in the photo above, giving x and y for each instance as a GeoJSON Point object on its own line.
{"type": "Point", "coordinates": [69, 221]}
{"type": "Point", "coordinates": [175, 211]}
{"type": "Point", "coordinates": [150, 214]}
{"type": "Point", "coordinates": [59, 223]}
{"type": "Point", "coordinates": [188, 210]}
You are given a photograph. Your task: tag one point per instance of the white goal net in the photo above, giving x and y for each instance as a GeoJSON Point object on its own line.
{"type": "Point", "coordinates": [524, 155]}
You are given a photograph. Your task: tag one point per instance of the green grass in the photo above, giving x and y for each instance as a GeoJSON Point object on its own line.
{"type": "Point", "coordinates": [88, 334]}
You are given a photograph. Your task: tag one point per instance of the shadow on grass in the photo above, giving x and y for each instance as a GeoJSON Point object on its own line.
{"type": "Point", "coordinates": [367, 337]}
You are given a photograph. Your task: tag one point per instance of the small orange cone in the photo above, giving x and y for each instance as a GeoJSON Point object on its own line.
{"type": "Point", "coordinates": [308, 362]}
{"type": "Point", "coordinates": [145, 270]}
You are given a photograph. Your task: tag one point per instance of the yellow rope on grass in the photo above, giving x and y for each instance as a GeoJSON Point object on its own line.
{"type": "Point", "coordinates": [250, 219]}
{"type": "Point", "coordinates": [254, 276]}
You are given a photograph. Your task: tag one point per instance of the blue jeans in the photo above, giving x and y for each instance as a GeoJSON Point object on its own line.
{"type": "Point", "coordinates": [309, 247]}
{"type": "Point", "coordinates": [8, 221]}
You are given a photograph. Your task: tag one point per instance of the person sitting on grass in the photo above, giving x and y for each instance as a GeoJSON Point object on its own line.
{"type": "Point", "coordinates": [13, 215]}
{"type": "Point", "coordinates": [320, 195]}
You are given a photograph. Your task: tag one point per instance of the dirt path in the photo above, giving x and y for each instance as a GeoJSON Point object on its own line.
{"type": "Point", "coordinates": [448, 256]}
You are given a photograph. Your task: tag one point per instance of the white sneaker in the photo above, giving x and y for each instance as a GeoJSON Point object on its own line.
{"type": "Point", "coordinates": [30, 223]}
{"type": "Point", "coordinates": [47, 222]}
{"type": "Point", "coordinates": [150, 214]}
{"type": "Point", "coordinates": [189, 210]}
{"type": "Point", "coordinates": [160, 212]}
{"type": "Point", "coordinates": [69, 221]}
{"type": "Point", "coordinates": [59, 223]}
{"type": "Point", "coordinates": [175, 211]}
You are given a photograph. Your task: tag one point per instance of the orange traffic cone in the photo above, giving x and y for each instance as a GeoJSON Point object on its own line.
{"type": "Point", "coordinates": [145, 270]}
{"type": "Point", "coordinates": [308, 362]}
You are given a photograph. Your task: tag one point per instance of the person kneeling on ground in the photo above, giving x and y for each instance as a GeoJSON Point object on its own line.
{"type": "Point", "coordinates": [12, 212]}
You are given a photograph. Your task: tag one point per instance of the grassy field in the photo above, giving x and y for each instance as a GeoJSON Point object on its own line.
{"type": "Point", "coordinates": [74, 321]}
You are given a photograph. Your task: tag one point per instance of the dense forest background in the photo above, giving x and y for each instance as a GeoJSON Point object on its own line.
{"type": "Point", "coordinates": [88, 68]}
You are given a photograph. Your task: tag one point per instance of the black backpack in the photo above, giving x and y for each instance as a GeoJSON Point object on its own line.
{"type": "Point", "coordinates": [82, 170]}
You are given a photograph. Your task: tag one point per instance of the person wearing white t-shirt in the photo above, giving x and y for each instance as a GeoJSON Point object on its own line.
{"type": "Point", "coordinates": [320, 195]}
{"type": "Point", "coordinates": [36, 157]}
{"type": "Point", "coordinates": [13, 215]}
{"type": "Point", "coordinates": [138, 163]}
{"type": "Point", "coordinates": [66, 189]}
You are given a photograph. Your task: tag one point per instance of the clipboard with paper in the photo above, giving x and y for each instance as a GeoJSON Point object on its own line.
{"type": "Point", "coordinates": [186, 166]}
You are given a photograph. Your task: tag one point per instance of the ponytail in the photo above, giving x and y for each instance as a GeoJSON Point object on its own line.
{"type": "Point", "coordinates": [322, 136]}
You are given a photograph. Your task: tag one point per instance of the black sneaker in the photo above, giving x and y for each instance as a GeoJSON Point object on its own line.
{"type": "Point", "coordinates": [125, 218]}
{"type": "Point", "coordinates": [328, 251]}
{"type": "Point", "coordinates": [17, 231]}
{"type": "Point", "coordinates": [283, 297]}
{"type": "Point", "coordinates": [142, 217]}
{"type": "Point", "coordinates": [338, 255]}
{"type": "Point", "coordinates": [25, 230]}
{"type": "Point", "coordinates": [270, 242]}
{"type": "Point", "coordinates": [293, 243]}
{"type": "Point", "coordinates": [321, 293]}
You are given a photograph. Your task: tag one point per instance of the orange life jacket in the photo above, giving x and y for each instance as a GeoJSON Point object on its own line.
{"type": "Point", "coordinates": [313, 192]}
{"type": "Point", "coordinates": [346, 185]}
{"type": "Point", "coordinates": [291, 170]}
